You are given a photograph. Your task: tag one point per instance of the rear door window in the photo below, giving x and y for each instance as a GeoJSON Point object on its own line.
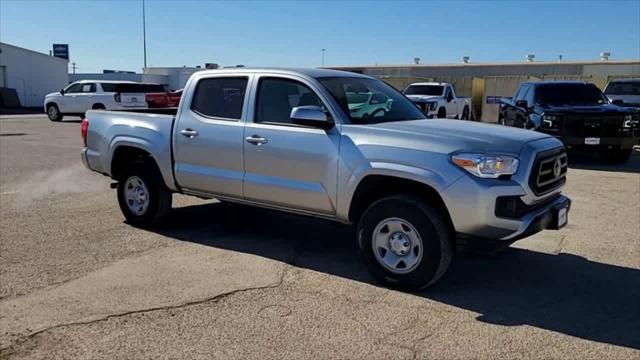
{"type": "Point", "coordinates": [220, 97]}
{"type": "Point", "coordinates": [88, 88]}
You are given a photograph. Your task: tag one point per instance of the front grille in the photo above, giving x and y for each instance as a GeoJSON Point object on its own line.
{"type": "Point", "coordinates": [592, 125]}
{"type": "Point", "coordinates": [549, 171]}
{"type": "Point", "coordinates": [422, 106]}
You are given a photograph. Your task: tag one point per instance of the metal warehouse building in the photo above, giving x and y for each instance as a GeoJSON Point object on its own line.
{"type": "Point", "coordinates": [31, 74]}
{"type": "Point", "coordinates": [483, 82]}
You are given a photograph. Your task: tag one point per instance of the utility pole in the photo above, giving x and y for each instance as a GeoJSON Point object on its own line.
{"type": "Point", "coordinates": [73, 67]}
{"type": "Point", "coordinates": [323, 50]}
{"type": "Point", "coordinates": [144, 34]}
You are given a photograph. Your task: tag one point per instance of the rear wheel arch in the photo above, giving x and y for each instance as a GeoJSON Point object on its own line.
{"type": "Point", "coordinates": [124, 155]}
{"type": "Point", "coordinates": [98, 106]}
{"type": "Point", "coordinates": [374, 187]}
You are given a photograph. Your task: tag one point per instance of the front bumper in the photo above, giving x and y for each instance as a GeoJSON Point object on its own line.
{"type": "Point", "coordinates": [572, 142]}
{"type": "Point", "coordinates": [472, 206]}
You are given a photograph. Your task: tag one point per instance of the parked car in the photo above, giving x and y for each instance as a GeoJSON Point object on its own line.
{"type": "Point", "coordinates": [287, 140]}
{"type": "Point", "coordinates": [438, 100]}
{"type": "Point", "coordinates": [368, 104]}
{"type": "Point", "coordinates": [167, 99]}
{"type": "Point", "coordinates": [84, 95]}
{"type": "Point", "coordinates": [624, 92]}
{"type": "Point", "coordinates": [576, 112]}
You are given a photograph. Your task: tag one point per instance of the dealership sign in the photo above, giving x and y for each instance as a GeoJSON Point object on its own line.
{"type": "Point", "coordinates": [61, 51]}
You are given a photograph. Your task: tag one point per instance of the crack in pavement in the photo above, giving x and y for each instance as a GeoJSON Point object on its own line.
{"type": "Point", "coordinates": [214, 299]}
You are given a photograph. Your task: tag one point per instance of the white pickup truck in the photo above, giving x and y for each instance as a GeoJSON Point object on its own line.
{"type": "Point", "coordinates": [438, 100]}
{"type": "Point", "coordinates": [84, 95]}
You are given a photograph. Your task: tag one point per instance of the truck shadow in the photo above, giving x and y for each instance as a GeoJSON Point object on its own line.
{"type": "Point", "coordinates": [564, 293]}
{"type": "Point", "coordinates": [585, 161]}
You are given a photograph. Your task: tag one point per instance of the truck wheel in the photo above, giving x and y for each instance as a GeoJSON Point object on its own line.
{"type": "Point", "coordinates": [143, 198]}
{"type": "Point", "coordinates": [465, 113]}
{"type": "Point", "coordinates": [53, 112]}
{"type": "Point", "coordinates": [616, 156]}
{"type": "Point", "coordinates": [405, 242]}
{"type": "Point", "coordinates": [442, 113]}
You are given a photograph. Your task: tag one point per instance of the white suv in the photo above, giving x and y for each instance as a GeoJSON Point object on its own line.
{"type": "Point", "coordinates": [84, 95]}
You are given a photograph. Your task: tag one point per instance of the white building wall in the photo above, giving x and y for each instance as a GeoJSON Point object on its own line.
{"type": "Point", "coordinates": [177, 76]}
{"type": "Point", "coordinates": [31, 73]}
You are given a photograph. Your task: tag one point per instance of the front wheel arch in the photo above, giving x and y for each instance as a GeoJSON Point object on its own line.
{"type": "Point", "coordinates": [374, 187]}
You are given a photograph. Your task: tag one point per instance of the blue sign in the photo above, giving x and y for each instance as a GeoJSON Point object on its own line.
{"type": "Point", "coordinates": [61, 51]}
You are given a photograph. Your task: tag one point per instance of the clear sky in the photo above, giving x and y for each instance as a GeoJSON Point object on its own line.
{"type": "Point", "coordinates": [108, 34]}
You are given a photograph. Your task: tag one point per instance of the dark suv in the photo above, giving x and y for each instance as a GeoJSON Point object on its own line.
{"type": "Point", "coordinates": [578, 113]}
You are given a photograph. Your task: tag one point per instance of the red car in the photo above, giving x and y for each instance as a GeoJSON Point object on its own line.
{"type": "Point", "coordinates": [168, 99]}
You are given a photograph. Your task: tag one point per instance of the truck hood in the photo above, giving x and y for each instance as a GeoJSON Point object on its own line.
{"type": "Point", "coordinates": [444, 136]}
{"type": "Point", "coordinates": [586, 109]}
{"type": "Point", "coordinates": [423, 97]}
{"type": "Point", "coordinates": [52, 94]}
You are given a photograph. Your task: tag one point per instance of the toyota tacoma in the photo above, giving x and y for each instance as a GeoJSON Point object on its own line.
{"type": "Point", "coordinates": [287, 140]}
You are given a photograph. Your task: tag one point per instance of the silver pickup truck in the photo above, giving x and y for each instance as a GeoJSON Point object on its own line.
{"type": "Point", "coordinates": [288, 140]}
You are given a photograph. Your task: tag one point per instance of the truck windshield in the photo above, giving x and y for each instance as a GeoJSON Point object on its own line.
{"type": "Point", "coordinates": [623, 88]}
{"type": "Point", "coordinates": [370, 101]}
{"type": "Point", "coordinates": [569, 94]}
{"type": "Point", "coordinates": [435, 90]}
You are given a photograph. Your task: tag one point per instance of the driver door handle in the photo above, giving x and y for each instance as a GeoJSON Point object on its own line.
{"type": "Point", "coordinates": [190, 133]}
{"type": "Point", "coordinates": [256, 140]}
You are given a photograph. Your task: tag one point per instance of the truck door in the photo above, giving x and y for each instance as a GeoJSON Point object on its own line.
{"type": "Point", "coordinates": [68, 103]}
{"type": "Point", "coordinates": [208, 137]}
{"type": "Point", "coordinates": [511, 110]}
{"type": "Point", "coordinates": [521, 114]}
{"type": "Point", "coordinates": [451, 102]}
{"type": "Point", "coordinates": [286, 164]}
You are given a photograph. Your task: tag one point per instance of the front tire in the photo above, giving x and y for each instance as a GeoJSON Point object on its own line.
{"type": "Point", "coordinates": [53, 112]}
{"type": "Point", "coordinates": [405, 242]}
{"type": "Point", "coordinates": [616, 156]}
{"type": "Point", "coordinates": [143, 198]}
{"type": "Point", "coordinates": [442, 113]}
{"type": "Point", "coordinates": [465, 113]}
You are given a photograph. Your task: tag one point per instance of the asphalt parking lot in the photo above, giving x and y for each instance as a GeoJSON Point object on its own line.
{"type": "Point", "coordinates": [222, 281]}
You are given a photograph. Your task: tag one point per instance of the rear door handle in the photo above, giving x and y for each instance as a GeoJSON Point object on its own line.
{"type": "Point", "coordinates": [256, 140]}
{"type": "Point", "coordinates": [190, 133]}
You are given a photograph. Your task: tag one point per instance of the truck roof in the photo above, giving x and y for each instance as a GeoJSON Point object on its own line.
{"type": "Point", "coordinates": [554, 82]}
{"type": "Point", "coordinates": [430, 83]}
{"type": "Point", "coordinates": [310, 72]}
{"type": "Point", "coordinates": [107, 81]}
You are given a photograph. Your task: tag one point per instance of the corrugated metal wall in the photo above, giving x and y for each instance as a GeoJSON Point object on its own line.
{"type": "Point", "coordinates": [480, 81]}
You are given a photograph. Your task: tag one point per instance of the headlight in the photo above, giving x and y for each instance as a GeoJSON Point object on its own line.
{"type": "Point", "coordinates": [486, 166]}
{"type": "Point", "coordinates": [550, 121]}
{"type": "Point", "coordinates": [629, 121]}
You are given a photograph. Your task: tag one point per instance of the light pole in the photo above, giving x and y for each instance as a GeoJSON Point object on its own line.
{"type": "Point", "coordinates": [144, 34]}
{"type": "Point", "coordinates": [323, 50]}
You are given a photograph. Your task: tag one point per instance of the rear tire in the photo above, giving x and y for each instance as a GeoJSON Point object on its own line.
{"type": "Point", "coordinates": [143, 198]}
{"type": "Point", "coordinates": [405, 242]}
{"type": "Point", "coordinates": [53, 112]}
{"type": "Point", "coordinates": [442, 113]}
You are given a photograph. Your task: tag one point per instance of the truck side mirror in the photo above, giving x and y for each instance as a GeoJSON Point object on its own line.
{"type": "Point", "coordinates": [312, 116]}
{"type": "Point", "coordinates": [61, 91]}
{"type": "Point", "coordinates": [618, 102]}
{"type": "Point", "coordinates": [522, 104]}
{"type": "Point", "coordinates": [449, 97]}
